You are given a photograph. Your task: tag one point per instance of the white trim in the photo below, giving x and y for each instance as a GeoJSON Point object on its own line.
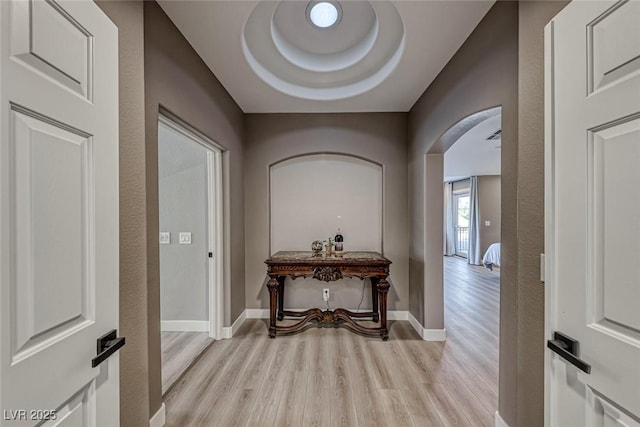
{"type": "Point", "coordinates": [215, 217]}
{"type": "Point", "coordinates": [216, 230]}
{"type": "Point", "coordinates": [257, 313]}
{"type": "Point", "coordinates": [427, 334]}
{"type": "Point", "coordinates": [549, 213]}
{"type": "Point", "coordinates": [397, 315]}
{"type": "Point", "coordinates": [434, 334]}
{"type": "Point", "coordinates": [184, 326]}
{"type": "Point", "coordinates": [230, 331]}
{"type": "Point", "coordinates": [159, 418]}
{"type": "Point", "coordinates": [499, 421]}
{"type": "Point", "coordinates": [416, 325]}
{"type": "Point", "coordinates": [263, 313]}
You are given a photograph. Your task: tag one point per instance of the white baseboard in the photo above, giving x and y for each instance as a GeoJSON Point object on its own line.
{"type": "Point", "coordinates": [499, 421]}
{"type": "Point", "coordinates": [434, 334]}
{"type": "Point", "coordinates": [416, 325]}
{"type": "Point", "coordinates": [263, 313]}
{"type": "Point", "coordinates": [159, 417]}
{"type": "Point", "coordinates": [184, 326]}
{"type": "Point", "coordinates": [427, 334]}
{"type": "Point", "coordinates": [230, 331]}
{"type": "Point", "coordinates": [257, 313]}
{"type": "Point", "coordinates": [397, 315]}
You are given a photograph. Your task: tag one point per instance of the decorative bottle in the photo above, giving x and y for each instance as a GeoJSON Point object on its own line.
{"type": "Point", "coordinates": [339, 241]}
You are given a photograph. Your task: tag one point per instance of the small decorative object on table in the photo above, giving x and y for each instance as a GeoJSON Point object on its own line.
{"type": "Point", "coordinates": [339, 239]}
{"type": "Point", "coordinates": [316, 247]}
{"type": "Point", "coordinates": [329, 245]}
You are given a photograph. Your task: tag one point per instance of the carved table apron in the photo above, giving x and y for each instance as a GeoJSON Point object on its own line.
{"type": "Point", "coordinates": [363, 265]}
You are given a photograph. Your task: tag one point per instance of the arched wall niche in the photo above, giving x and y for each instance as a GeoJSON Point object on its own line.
{"type": "Point", "coordinates": [307, 193]}
{"type": "Point", "coordinates": [377, 139]}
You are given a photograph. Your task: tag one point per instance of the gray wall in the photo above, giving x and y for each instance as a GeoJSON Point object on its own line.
{"type": "Point", "coordinates": [379, 137]}
{"type": "Point", "coordinates": [534, 15]}
{"type": "Point", "coordinates": [134, 375]}
{"type": "Point", "coordinates": [481, 75]}
{"type": "Point", "coordinates": [177, 80]}
{"type": "Point", "coordinates": [182, 195]}
{"type": "Point", "coordinates": [489, 204]}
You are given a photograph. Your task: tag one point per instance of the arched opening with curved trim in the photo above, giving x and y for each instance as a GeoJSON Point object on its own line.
{"type": "Point", "coordinates": [434, 206]}
{"type": "Point", "coordinates": [465, 297]}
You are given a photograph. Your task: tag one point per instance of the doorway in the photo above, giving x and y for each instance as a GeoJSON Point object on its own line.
{"type": "Point", "coordinates": [190, 214]}
{"type": "Point", "coordinates": [461, 218]}
{"type": "Point", "coordinates": [471, 173]}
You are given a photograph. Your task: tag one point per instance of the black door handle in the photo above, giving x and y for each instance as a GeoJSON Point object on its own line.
{"type": "Point", "coordinates": [567, 348]}
{"type": "Point", "coordinates": [107, 344]}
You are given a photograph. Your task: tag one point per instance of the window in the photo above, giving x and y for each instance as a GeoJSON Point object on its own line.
{"type": "Point", "coordinates": [462, 211]}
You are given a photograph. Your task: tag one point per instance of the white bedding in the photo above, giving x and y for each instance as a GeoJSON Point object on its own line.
{"type": "Point", "coordinates": [492, 256]}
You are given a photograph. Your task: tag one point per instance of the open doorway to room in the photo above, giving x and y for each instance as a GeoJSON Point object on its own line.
{"type": "Point", "coordinates": [472, 222]}
{"type": "Point", "coordinates": [190, 214]}
{"type": "Point", "coordinates": [461, 222]}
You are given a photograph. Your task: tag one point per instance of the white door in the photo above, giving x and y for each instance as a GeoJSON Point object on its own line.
{"type": "Point", "coordinates": [58, 213]}
{"type": "Point", "coordinates": [593, 214]}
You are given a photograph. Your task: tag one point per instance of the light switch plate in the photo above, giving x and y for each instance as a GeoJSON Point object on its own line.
{"type": "Point", "coordinates": [185, 238]}
{"type": "Point", "coordinates": [165, 238]}
{"type": "Point", "coordinates": [487, 223]}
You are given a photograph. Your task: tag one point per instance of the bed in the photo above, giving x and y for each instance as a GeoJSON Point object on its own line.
{"type": "Point", "coordinates": [492, 256]}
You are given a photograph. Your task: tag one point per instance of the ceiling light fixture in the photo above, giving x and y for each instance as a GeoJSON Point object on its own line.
{"type": "Point", "coordinates": [323, 14]}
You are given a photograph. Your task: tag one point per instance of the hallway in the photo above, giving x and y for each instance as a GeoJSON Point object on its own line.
{"type": "Point", "coordinates": [329, 377]}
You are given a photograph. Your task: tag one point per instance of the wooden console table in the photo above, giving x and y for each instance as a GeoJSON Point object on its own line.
{"type": "Point", "coordinates": [364, 265]}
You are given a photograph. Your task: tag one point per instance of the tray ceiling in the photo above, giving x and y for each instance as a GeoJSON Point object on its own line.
{"type": "Point", "coordinates": [379, 56]}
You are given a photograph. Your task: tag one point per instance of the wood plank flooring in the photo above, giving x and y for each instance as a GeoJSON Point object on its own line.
{"type": "Point", "coordinates": [332, 377]}
{"type": "Point", "coordinates": [179, 350]}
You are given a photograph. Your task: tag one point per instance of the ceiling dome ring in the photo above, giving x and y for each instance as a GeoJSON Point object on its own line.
{"type": "Point", "coordinates": [297, 58]}
{"type": "Point", "coordinates": [327, 62]}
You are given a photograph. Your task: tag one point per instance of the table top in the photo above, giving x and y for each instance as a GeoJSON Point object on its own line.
{"type": "Point", "coordinates": [309, 258]}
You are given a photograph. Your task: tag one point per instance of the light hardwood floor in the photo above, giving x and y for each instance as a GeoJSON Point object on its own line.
{"type": "Point", "coordinates": [332, 377]}
{"type": "Point", "coordinates": [179, 351]}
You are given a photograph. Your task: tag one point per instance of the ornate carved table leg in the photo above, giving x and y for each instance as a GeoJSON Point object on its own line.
{"type": "Point", "coordinates": [273, 286]}
{"type": "Point", "coordinates": [374, 298]}
{"type": "Point", "coordinates": [383, 289]}
{"type": "Point", "coordinates": [281, 297]}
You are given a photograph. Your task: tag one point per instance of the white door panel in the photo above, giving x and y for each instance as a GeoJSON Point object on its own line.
{"type": "Point", "coordinates": [52, 41]}
{"type": "Point", "coordinates": [593, 224]}
{"type": "Point", "coordinates": [58, 212]}
{"type": "Point", "coordinates": [51, 200]}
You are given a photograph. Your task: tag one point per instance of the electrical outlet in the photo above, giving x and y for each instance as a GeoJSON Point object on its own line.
{"type": "Point", "coordinates": [325, 294]}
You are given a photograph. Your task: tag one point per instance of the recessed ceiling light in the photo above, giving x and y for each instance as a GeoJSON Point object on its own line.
{"type": "Point", "coordinates": [323, 14]}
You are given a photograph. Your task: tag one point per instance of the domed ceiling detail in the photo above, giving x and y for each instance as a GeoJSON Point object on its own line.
{"type": "Point", "coordinates": [378, 55]}
{"type": "Point", "coordinates": [297, 58]}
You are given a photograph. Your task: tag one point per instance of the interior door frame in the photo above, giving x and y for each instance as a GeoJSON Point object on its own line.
{"type": "Point", "coordinates": [215, 212]}
{"type": "Point", "coordinates": [548, 268]}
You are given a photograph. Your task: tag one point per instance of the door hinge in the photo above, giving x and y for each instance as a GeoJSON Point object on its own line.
{"type": "Point", "coordinates": [210, 254]}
